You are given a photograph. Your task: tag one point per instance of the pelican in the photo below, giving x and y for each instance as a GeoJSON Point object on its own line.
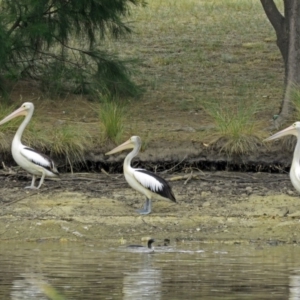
{"type": "Point", "coordinates": [295, 168]}
{"type": "Point", "coordinates": [143, 181]}
{"type": "Point", "coordinates": [29, 159]}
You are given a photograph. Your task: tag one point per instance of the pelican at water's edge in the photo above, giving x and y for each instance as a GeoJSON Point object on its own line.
{"type": "Point", "coordinates": [29, 159]}
{"type": "Point", "coordinates": [143, 181]}
{"type": "Point", "coordinates": [295, 167]}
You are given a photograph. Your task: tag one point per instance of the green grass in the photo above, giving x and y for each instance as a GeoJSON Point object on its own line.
{"type": "Point", "coordinates": [196, 49]}
{"type": "Point", "coordinates": [236, 127]}
{"type": "Point", "coordinates": [190, 51]}
{"type": "Point", "coordinates": [112, 115]}
{"type": "Point", "coordinates": [69, 141]}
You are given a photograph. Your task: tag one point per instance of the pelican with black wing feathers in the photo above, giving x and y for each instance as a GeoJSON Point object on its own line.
{"type": "Point", "coordinates": [29, 159]}
{"type": "Point", "coordinates": [143, 181]}
{"type": "Point", "coordinates": [295, 167]}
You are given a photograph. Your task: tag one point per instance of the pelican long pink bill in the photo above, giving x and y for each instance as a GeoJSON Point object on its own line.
{"type": "Point", "coordinates": [19, 112]}
{"type": "Point", "coordinates": [127, 145]}
{"type": "Point", "coordinates": [143, 181]}
{"type": "Point", "coordinates": [291, 130]}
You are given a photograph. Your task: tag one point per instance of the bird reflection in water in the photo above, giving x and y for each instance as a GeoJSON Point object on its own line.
{"type": "Point", "coordinates": [143, 283]}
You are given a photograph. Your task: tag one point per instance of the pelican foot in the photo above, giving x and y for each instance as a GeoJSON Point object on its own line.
{"type": "Point", "coordinates": [146, 209]}
{"type": "Point", "coordinates": [32, 187]}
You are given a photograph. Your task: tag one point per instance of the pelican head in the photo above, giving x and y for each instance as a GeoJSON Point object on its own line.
{"type": "Point", "coordinates": [291, 130]}
{"type": "Point", "coordinates": [22, 111]}
{"type": "Point", "coordinates": [130, 144]}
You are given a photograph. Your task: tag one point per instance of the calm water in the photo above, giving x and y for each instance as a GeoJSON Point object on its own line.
{"type": "Point", "coordinates": [184, 271]}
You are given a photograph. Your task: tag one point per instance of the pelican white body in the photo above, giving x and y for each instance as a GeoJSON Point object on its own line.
{"type": "Point", "coordinates": [143, 181]}
{"type": "Point", "coordinates": [29, 159]}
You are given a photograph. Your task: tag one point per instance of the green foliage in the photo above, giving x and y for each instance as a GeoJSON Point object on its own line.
{"type": "Point", "coordinates": [237, 129]}
{"type": "Point", "coordinates": [111, 77]}
{"type": "Point", "coordinates": [112, 116]}
{"type": "Point", "coordinates": [62, 79]}
{"type": "Point", "coordinates": [42, 38]}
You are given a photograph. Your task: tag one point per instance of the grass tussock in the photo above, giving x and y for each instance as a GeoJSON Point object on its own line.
{"type": "Point", "coordinates": [237, 130]}
{"type": "Point", "coordinates": [112, 116]}
{"type": "Point", "coordinates": [69, 141]}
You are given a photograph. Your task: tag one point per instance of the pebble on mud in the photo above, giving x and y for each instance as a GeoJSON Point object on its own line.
{"type": "Point", "coordinates": [217, 188]}
{"type": "Point", "coordinates": [283, 212]}
{"type": "Point", "coordinates": [205, 194]}
{"type": "Point", "coordinates": [206, 204]}
{"type": "Point", "coordinates": [249, 190]}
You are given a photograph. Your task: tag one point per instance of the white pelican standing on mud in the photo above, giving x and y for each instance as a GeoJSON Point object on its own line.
{"type": "Point", "coordinates": [29, 159]}
{"type": "Point", "coordinates": [143, 181]}
{"type": "Point", "coordinates": [295, 167]}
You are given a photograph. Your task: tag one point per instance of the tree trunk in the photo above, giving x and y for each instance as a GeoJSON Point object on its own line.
{"type": "Point", "coordinates": [287, 30]}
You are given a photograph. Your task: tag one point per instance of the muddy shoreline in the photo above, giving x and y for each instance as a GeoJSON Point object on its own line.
{"type": "Point", "coordinates": [214, 206]}
{"type": "Point", "coordinates": [178, 158]}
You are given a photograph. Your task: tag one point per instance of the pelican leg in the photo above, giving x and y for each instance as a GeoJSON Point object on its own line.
{"type": "Point", "coordinates": [32, 186]}
{"type": "Point", "coordinates": [41, 180]}
{"type": "Point", "coordinates": [146, 209]}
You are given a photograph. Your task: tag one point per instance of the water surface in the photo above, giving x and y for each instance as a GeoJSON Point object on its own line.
{"type": "Point", "coordinates": [53, 270]}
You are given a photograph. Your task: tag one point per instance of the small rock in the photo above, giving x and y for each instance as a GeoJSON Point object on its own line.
{"type": "Point", "coordinates": [205, 194]}
{"type": "Point", "coordinates": [217, 188]}
{"type": "Point", "coordinates": [206, 204]}
{"type": "Point", "coordinates": [185, 128]}
{"type": "Point", "coordinates": [283, 212]}
{"type": "Point", "coordinates": [249, 190]}
{"type": "Point", "coordinates": [273, 243]}
{"type": "Point", "coordinates": [289, 192]}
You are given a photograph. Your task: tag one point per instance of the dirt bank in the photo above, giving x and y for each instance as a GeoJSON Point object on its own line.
{"type": "Point", "coordinates": [212, 206]}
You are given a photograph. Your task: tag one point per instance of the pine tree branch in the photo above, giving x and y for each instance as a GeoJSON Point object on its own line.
{"type": "Point", "coordinates": [14, 26]}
